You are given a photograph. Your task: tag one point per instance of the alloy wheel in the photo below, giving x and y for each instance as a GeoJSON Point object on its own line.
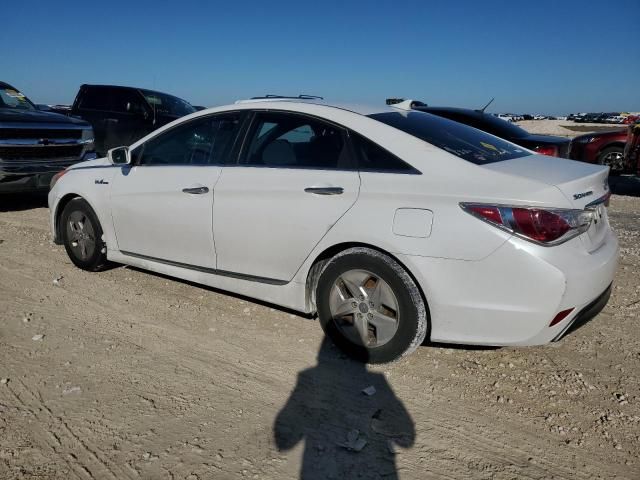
{"type": "Point", "coordinates": [364, 308]}
{"type": "Point", "coordinates": [81, 235]}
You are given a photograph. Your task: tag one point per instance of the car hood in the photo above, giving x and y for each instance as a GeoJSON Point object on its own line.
{"type": "Point", "coordinates": [609, 133]}
{"type": "Point", "coordinates": [98, 162]}
{"type": "Point", "coordinates": [9, 115]}
{"type": "Point", "coordinates": [581, 183]}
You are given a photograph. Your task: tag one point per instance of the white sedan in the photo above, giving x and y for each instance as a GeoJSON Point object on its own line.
{"type": "Point", "coordinates": [392, 225]}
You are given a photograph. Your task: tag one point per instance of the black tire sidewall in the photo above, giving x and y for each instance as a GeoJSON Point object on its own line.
{"type": "Point", "coordinates": [98, 258]}
{"type": "Point", "coordinates": [409, 321]}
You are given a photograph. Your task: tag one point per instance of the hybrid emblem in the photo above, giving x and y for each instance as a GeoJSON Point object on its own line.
{"type": "Point", "coordinates": [578, 196]}
{"type": "Point", "coordinates": [101, 182]}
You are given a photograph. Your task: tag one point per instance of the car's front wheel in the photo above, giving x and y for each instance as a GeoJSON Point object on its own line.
{"type": "Point", "coordinates": [370, 306]}
{"type": "Point", "coordinates": [82, 236]}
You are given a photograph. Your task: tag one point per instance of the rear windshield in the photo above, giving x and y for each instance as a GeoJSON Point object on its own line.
{"type": "Point", "coordinates": [465, 142]}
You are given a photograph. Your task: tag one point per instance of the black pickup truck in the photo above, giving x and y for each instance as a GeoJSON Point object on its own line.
{"type": "Point", "coordinates": [36, 144]}
{"type": "Point", "coordinates": [122, 115]}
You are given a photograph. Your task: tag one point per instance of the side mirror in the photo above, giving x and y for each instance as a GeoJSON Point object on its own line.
{"type": "Point", "coordinates": [119, 156]}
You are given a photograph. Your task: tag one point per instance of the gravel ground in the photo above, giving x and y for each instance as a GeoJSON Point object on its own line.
{"type": "Point", "coordinates": [126, 374]}
{"type": "Point", "coordinates": [565, 128]}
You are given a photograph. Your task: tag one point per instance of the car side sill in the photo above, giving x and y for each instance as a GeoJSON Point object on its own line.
{"type": "Point", "coordinates": [213, 271]}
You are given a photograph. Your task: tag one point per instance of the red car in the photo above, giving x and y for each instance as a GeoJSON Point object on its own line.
{"type": "Point", "coordinates": [605, 148]}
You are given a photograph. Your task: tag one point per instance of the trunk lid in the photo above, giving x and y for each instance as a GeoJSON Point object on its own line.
{"type": "Point", "coordinates": [583, 184]}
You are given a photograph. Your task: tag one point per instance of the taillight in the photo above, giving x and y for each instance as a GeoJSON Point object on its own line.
{"type": "Point", "coordinates": [550, 150]}
{"type": "Point", "coordinates": [544, 226]}
{"type": "Point", "coordinates": [540, 225]}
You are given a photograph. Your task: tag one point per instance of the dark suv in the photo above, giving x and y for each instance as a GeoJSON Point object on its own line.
{"type": "Point", "coordinates": [122, 115]}
{"type": "Point", "coordinates": [35, 144]}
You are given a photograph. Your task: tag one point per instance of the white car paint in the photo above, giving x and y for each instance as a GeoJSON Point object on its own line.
{"type": "Point", "coordinates": [483, 285]}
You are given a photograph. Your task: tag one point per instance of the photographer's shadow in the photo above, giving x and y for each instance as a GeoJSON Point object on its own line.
{"type": "Point", "coordinates": [347, 433]}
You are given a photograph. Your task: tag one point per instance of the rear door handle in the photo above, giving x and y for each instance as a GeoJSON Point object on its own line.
{"type": "Point", "coordinates": [196, 190]}
{"type": "Point", "coordinates": [325, 190]}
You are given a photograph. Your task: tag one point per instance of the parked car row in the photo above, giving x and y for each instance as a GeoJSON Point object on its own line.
{"type": "Point", "coordinates": [38, 141]}
{"type": "Point", "coordinates": [609, 118]}
{"type": "Point", "coordinates": [510, 117]}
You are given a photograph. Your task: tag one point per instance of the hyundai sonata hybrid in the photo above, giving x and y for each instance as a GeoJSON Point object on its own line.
{"type": "Point", "coordinates": [393, 225]}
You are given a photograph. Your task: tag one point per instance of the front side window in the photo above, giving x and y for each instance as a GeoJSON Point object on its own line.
{"type": "Point", "coordinates": [204, 141]}
{"type": "Point", "coordinates": [289, 140]}
{"type": "Point", "coordinates": [460, 140]}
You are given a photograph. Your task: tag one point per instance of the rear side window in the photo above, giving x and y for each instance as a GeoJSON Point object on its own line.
{"type": "Point", "coordinates": [374, 158]}
{"type": "Point", "coordinates": [288, 140]}
{"type": "Point", "coordinates": [460, 140]}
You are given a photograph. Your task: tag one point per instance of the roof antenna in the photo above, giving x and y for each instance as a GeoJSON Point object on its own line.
{"type": "Point", "coordinates": [485, 107]}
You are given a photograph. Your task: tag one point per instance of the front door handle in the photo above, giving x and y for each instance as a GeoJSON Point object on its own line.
{"type": "Point", "coordinates": [325, 190]}
{"type": "Point", "coordinates": [196, 190]}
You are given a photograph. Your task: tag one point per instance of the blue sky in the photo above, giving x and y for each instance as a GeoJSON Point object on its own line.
{"type": "Point", "coordinates": [537, 56]}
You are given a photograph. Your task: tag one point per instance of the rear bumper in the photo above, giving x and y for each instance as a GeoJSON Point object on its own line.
{"type": "Point", "coordinates": [511, 296]}
{"type": "Point", "coordinates": [26, 176]}
{"type": "Point", "coordinates": [587, 313]}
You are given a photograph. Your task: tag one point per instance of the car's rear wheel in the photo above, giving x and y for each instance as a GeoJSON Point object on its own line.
{"type": "Point", "coordinates": [82, 236]}
{"type": "Point", "coordinates": [613, 157]}
{"type": "Point", "coordinates": [370, 306]}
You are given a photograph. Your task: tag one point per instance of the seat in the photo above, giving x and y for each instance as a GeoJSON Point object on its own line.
{"type": "Point", "coordinates": [279, 153]}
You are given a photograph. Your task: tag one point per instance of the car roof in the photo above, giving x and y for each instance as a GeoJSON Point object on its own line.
{"type": "Point", "coordinates": [463, 111]}
{"type": "Point", "coordinates": [294, 103]}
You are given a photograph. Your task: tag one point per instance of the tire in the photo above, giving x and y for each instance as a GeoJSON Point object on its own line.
{"type": "Point", "coordinates": [613, 157]}
{"type": "Point", "coordinates": [385, 320]}
{"type": "Point", "coordinates": [82, 236]}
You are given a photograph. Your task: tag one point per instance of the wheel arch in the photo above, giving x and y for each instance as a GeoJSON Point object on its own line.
{"type": "Point", "coordinates": [60, 206]}
{"type": "Point", "coordinates": [320, 260]}
{"type": "Point", "coordinates": [609, 145]}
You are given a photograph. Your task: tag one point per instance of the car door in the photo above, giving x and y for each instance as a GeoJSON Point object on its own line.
{"type": "Point", "coordinates": [162, 204]}
{"type": "Point", "coordinates": [294, 181]}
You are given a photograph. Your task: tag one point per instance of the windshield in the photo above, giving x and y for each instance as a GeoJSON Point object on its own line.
{"type": "Point", "coordinates": [460, 140]}
{"type": "Point", "coordinates": [10, 98]}
{"type": "Point", "coordinates": [167, 104]}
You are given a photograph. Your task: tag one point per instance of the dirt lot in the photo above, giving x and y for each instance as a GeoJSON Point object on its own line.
{"type": "Point", "coordinates": [127, 375]}
{"type": "Point", "coordinates": [565, 128]}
